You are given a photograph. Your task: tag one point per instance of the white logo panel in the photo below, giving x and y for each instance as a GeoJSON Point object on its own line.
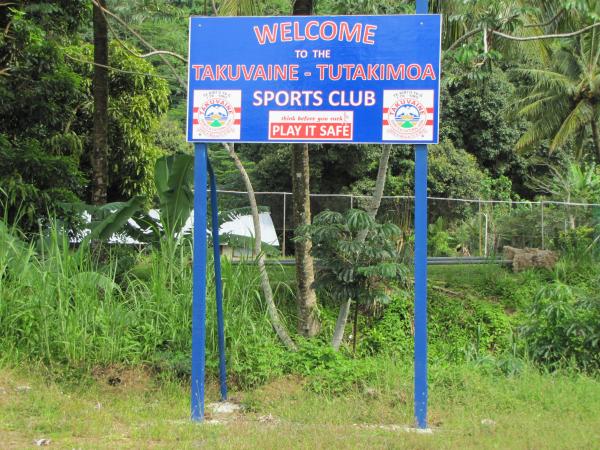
{"type": "Point", "coordinates": [408, 115]}
{"type": "Point", "coordinates": [217, 114]}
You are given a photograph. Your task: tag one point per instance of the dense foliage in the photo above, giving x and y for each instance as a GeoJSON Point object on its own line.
{"type": "Point", "coordinates": [358, 258]}
{"type": "Point", "coordinates": [562, 327]}
{"type": "Point", "coordinates": [490, 99]}
{"type": "Point", "coordinates": [74, 311]}
{"type": "Point", "coordinates": [46, 115]}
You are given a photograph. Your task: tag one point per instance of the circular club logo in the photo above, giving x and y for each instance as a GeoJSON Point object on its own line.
{"type": "Point", "coordinates": [216, 116]}
{"type": "Point", "coordinates": [407, 117]}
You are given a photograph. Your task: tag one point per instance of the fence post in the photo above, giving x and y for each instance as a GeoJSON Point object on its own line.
{"type": "Point", "coordinates": [351, 201]}
{"type": "Point", "coordinates": [542, 205]}
{"type": "Point", "coordinates": [283, 238]}
{"type": "Point", "coordinates": [479, 217]}
{"type": "Point", "coordinates": [485, 248]}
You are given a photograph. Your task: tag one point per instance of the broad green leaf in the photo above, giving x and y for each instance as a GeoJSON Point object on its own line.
{"type": "Point", "coordinates": [174, 180]}
{"type": "Point", "coordinates": [113, 217]}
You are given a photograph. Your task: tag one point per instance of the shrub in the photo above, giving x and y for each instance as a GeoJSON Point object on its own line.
{"type": "Point", "coordinates": [358, 256]}
{"type": "Point", "coordinates": [576, 242]}
{"type": "Point", "coordinates": [457, 327]}
{"type": "Point", "coordinates": [439, 240]}
{"type": "Point", "coordinates": [563, 327]}
{"type": "Point", "coordinates": [328, 370]}
{"type": "Point", "coordinates": [392, 332]}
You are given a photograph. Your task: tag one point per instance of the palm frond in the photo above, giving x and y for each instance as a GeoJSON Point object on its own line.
{"type": "Point", "coordinates": [547, 79]}
{"type": "Point", "coordinates": [236, 8]}
{"type": "Point", "coordinates": [535, 108]}
{"type": "Point", "coordinates": [579, 117]}
{"type": "Point", "coordinates": [533, 136]}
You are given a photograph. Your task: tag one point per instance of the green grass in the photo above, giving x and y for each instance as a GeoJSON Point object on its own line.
{"type": "Point", "coordinates": [532, 410]}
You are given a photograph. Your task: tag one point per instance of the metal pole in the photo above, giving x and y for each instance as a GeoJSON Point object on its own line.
{"type": "Point", "coordinates": [479, 220]}
{"type": "Point", "coordinates": [199, 285]}
{"type": "Point", "coordinates": [421, 286]}
{"type": "Point", "coordinates": [542, 204]}
{"type": "Point", "coordinates": [214, 208]}
{"type": "Point", "coordinates": [485, 251]}
{"type": "Point", "coordinates": [421, 274]}
{"type": "Point", "coordinates": [283, 238]}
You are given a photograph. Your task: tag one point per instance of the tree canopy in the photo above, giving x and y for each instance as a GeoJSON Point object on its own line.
{"type": "Point", "coordinates": [510, 106]}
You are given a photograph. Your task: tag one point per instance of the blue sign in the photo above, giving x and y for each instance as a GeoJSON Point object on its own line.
{"type": "Point", "coordinates": [361, 79]}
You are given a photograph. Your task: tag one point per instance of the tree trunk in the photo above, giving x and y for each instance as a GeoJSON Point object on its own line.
{"type": "Point", "coordinates": [340, 325]}
{"type": "Point", "coordinates": [99, 157]}
{"type": "Point", "coordinates": [380, 182]}
{"type": "Point", "coordinates": [306, 297]}
{"type": "Point", "coordinates": [276, 321]}
{"type": "Point", "coordinates": [596, 138]}
{"type": "Point", "coordinates": [303, 7]}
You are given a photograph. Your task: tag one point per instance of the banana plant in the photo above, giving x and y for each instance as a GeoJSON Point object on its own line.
{"type": "Point", "coordinates": [174, 181]}
{"type": "Point", "coordinates": [111, 218]}
{"type": "Point", "coordinates": [173, 178]}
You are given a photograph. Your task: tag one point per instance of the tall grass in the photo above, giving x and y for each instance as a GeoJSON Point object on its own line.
{"type": "Point", "coordinates": [79, 308]}
{"type": "Point", "coordinates": [76, 308]}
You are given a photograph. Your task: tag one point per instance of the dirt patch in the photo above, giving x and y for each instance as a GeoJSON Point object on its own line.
{"type": "Point", "coordinates": [123, 378]}
{"type": "Point", "coordinates": [284, 387]}
{"type": "Point", "coordinates": [12, 440]}
{"type": "Point", "coordinates": [12, 388]}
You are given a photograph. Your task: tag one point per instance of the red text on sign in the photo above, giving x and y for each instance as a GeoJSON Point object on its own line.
{"type": "Point", "coordinates": [316, 131]}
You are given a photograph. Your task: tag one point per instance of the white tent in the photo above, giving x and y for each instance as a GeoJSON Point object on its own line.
{"type": "Point", "coordinates": [239, 226]}
{"type": "Point", "coordinates": [244, 226]}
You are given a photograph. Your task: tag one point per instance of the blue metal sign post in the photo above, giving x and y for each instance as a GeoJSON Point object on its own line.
{"type": "Point", "coordinates": [218, 284]}
{"type": "Point", "coordinates": [337, 79]}
{"type": "Point", "coordinates": [201, 166]}
{"type": "Point", "coordinates": [420, 383]}
{"type": "Point", "coordinates": [199, 283]}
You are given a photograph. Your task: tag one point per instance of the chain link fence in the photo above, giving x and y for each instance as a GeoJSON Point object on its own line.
{"type": "Point", "coordinates": [457, 227]}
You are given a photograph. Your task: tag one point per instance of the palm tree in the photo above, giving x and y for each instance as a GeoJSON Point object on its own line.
{"type": "Point", "coordinates": [565, 102]}
{"type": "Point", "coordinates": [573, 182]}
{"type": "Point", "coordinates": [465, 18]}
{"type": "Point", "coordinates": [469, 23]}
